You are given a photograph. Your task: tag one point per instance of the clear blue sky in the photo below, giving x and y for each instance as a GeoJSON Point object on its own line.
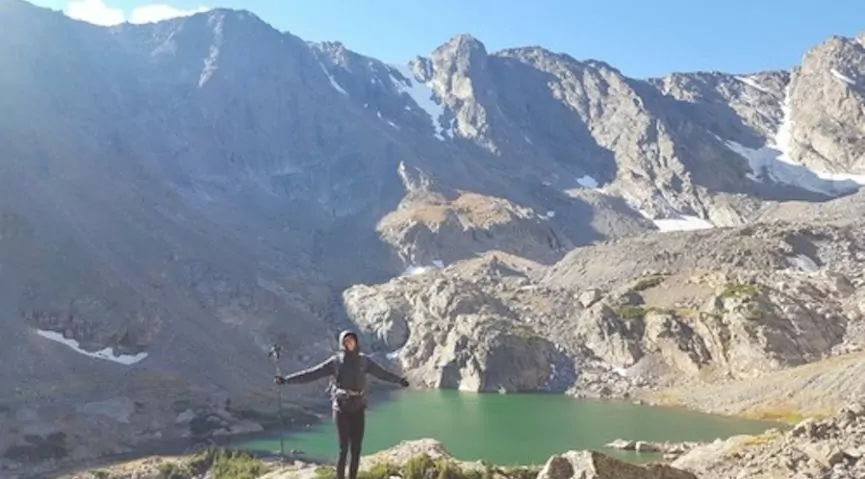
{"type": "Point", "coordinates": [640, 37]}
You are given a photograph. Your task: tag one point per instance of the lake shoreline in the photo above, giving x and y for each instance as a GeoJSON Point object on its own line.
{"type": "Point", "coordinates": [185, 446]}
{"type": "Point", "coordinates": [181, 447]}
{"type": "Point", "coordinates": [390, 421]}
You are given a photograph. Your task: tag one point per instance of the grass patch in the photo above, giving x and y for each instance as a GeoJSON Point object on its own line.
{"type": "Point", "coordinates": [752, 441]}
{"type": "Point", "coordinates": [425, 467]}
{"type": "Point", "coordinates": [215, 463]}
{"type": "Point", "coordinates": [735, 290]}
{"type": "Point", "coordinates": [175, 470]}
{"type": "Point", "coordinates": [525, 332]}
{"type": "Point", "coordinates": [647, 283]}
{"type": "Point", "coordinates": [520, 472]}
{"type": "Point", "coordinates": [227, 464]}
{"type": "Point", "coordinates": [777, 413]}
{"type": "Point", "coordinates": [761, 439]}
{"type": "Point", "coordinates": [631, 313]}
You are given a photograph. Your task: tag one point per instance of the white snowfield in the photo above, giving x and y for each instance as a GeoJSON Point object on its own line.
{"type": "Point", "coordinates": [422, 95]}
{"type": "Point", "coordinates": [587, 181]}
{"type": "Point", "coordinates": [680, 222]}
{"type": "Point", "coordinates": [106, 354]}
{"type": "Point", "coordinates": [803, 263]}
{"type": "Point", "coordinates": [844, 78]}
{"type": "Point", "coordinates": [753, 84]}
{"type": "Point", "coordinates": [333, 82]}
{"type": "Point", "coordinates": [677, 222]}
{"type": "Point", "coordinates": [773, 161]}
{"type": "Point", "coordinates": [412, 270]}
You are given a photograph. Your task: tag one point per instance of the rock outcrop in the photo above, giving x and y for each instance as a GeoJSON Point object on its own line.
{"type": "Point", "coordinates": [704, 306]}
{"type": "Point", "coordinates": [450, 334]}
{"type": "Point", "coordinates": [830, 448]}
{"type": "Point", "coordinates": [594, 465]}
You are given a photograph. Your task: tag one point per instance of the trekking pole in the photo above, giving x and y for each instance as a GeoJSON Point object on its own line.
{"type": "Point", "coordinates": [275, 354]}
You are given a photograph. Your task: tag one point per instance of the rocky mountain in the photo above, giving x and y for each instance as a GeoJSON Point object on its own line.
{"type": "Point", "coordinates": [697, 306]}
{"type": "Point", "coordinates": [175, 197]}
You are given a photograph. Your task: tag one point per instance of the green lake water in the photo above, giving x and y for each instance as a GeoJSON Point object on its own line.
{"type": "Point", "coordinates": [509, 429]}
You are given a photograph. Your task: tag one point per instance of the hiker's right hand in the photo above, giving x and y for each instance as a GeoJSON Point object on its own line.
{"type": "Point", "coordinates": [279, 380]}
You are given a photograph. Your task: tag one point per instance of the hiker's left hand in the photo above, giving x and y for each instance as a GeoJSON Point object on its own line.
{"type": "Point", "coordinates": [279, 380]}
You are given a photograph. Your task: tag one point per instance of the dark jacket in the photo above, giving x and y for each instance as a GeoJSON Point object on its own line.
{"type": "Point", "coordinates": [348, 370]}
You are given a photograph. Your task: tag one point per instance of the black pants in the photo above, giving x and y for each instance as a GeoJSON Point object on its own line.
{"type": "Point", "coordinates": [349, 428]}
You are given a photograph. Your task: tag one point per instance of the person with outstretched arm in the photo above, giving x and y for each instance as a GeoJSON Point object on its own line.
{"type": "Point", "coordinates": [349, 368]}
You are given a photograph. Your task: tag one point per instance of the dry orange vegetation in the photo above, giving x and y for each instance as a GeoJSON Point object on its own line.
{"type": "Point", "coordinates": [472, 209]}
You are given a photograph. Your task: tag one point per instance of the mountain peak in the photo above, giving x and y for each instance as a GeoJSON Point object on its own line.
{"type": "Point", "coordinates": [464, 45]}
{"type": "Point", "coordinates": [20, 7]}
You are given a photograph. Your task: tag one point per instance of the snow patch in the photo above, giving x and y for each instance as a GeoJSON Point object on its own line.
{"type": "Point", "coordinates": [551, 214]}
{"type": "Point", "coordinates": [210, 66]}
{"type": "Point", "coordinates": [552, 375]}
{"type": "Point", "coordinates": [803, 262]}
{"type": "Point", "coordinates": [587, 181]}
{"type": "Point", "coordinates": [106, 353]}
{"type": "Point", "coordinates": [393, 354]}
{"type": "Point", "coordinates": [527, 140]}
{"type": "Point", "coordinates": [413, 270]}
{"type": "Point", "coordinates": [392, 124]}
{"type": "Point", "coordinates": [753, 84]}
{"type": "Point", "coordinates": [844, 78]}
{"type": "Point", "coordinates": [416, 270]}
{"type": "Point", "coordinates": [421, 94]}
{"type": "Point", "coordinates": [679, 222]}
{"type": "Point", "coordinates": [332, 80]}
{"type": "Point", "coordinates": [773, 163]}
{"type": "Point", "coordinates": [773, 160]}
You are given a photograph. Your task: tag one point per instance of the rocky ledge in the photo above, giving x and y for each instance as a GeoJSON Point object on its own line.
{"type": "Point", "coordinates": [830, 448]}
{"type": "Point", "coordinates": [670, 450]}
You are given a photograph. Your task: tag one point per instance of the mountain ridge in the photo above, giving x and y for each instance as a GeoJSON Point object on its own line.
{"type": "Point", "coordinates": [197, 189]}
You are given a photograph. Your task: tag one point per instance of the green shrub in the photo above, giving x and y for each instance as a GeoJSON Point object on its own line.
{"type": "Point", "coordinates": [630, 312]}
{"type": "Point", "coordinates": [734, 290]}
{"type": "Point", "coordinates": [175, 470]}
{"type": "Point", "coordinates": [326, 473]}
{"type": "Point", "coordinates": [647, 283]}
{"type": "Point", "coordinates": [227, 464]}
{"type": "Point", "coordinates": [425, 467]}
{"type": "Point", "coordinates": [521, 472]}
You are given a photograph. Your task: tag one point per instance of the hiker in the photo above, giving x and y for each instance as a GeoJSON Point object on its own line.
{"type": "Point", "coordinates": [348, 368]}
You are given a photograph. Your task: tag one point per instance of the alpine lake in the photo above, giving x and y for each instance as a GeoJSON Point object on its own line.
{"type": "Point", "coordinates": [511, 429]}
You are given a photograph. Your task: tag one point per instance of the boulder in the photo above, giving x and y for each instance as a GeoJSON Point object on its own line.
{"type": "Point", "coordinates": [594, 465]}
